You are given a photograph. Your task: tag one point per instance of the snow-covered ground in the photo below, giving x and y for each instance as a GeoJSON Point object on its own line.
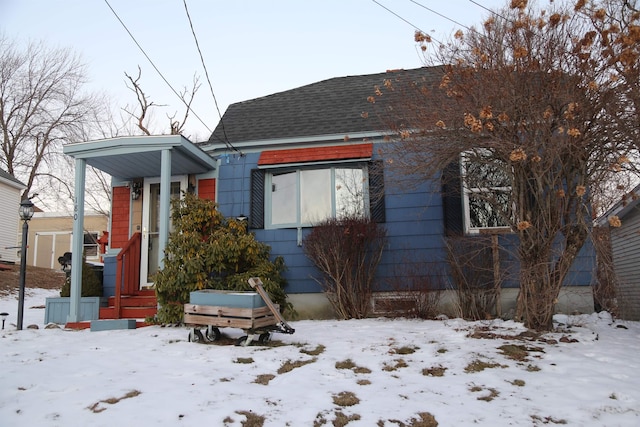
{"type": "Point", "coordinates": [375, 372]}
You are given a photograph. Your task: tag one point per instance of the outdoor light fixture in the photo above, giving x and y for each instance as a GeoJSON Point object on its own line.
{"type": "Point", "coordinates": [26, 210]}
{"type": "Point", "coordinates": [242, 218]}
{"type": "Point", "coordinates": [4, 317]}
{"type": "Point", "coordinates": [26, 213]}
{"type": "Point", "coordinates": [136, 190]}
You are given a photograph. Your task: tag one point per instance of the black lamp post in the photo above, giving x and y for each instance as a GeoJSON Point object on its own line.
{"type": "Point", "coordinates": [26, 213]}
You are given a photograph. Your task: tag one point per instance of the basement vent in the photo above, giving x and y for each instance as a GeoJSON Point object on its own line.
{"type": "Point", "coordinates": [390, 304]}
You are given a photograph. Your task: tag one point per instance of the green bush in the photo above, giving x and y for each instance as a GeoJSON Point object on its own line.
{"type": "Point", "coordinates": [91, 284]}
{"type": "Point", "coordinates": [208, 251]}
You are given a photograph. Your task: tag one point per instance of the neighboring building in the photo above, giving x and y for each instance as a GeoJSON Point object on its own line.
{"type": "Point", "coordinates": [284, 161]}
{"type": "Point", "coordinates": [625, 251]}
{"type": "Point", "coordinates": [10, 190]}
{"type": "Point", "coordinates": [50, 236]}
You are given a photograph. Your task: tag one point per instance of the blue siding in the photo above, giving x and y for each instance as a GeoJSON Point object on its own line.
{"type": "Point", "coordinates": [415, 232]}
{"type": "Point", "coordinates": [109, 276]}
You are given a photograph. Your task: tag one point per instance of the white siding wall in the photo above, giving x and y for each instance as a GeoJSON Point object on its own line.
{"type": "Point", "coordinates": [625, 244]}
{"type": "Point", "coordinates": [9, 222]}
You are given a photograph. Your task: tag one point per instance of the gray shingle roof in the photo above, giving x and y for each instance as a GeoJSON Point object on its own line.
{"type": "Point", "coordinates": [7, 176]}
{"type": "Point", "coordinates": [332, 106]}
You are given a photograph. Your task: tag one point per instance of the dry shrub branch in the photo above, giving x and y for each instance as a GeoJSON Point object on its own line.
{"type": "Point", "coordinates": [347, 252]}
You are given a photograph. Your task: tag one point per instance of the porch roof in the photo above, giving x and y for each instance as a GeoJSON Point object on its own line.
{"type": "Point", "coordinates": [140, 156]}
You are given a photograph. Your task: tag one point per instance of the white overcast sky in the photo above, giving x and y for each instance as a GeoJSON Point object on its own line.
{"type": "Point", "coordinates": [251, 48]}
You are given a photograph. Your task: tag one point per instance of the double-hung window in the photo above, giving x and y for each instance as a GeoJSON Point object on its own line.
{"type": "Point", "coordinates": [90, 245]}
{"type": "Point", "coordinates": [487, 193]}
{"type": "Point", "coordinates": [299, 197]}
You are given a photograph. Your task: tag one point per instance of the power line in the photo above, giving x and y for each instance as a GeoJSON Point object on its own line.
{"type": "Point", "coordinates": [206, 73]}
{"type": "Point", "coordinates": [441, 15]}
{"type": "Point", "coordinates": [154, 65]}
{"type": "Point", "coordinates": [403, 19]}
{"type": "Point", "coordinates": [445, 17]}
{"type": "Point", "coordinates": [489, 10]}
{"type": "Point", "coordinates": [460, 24]}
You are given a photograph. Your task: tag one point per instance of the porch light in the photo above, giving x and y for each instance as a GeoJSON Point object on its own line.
{"type": "Point", "coordinates": [242, 218]}
{"type": "Point", "coordinates": [136, 190]}
{"type": "Point", "coordinates": [4, 317]}
{"type": "Point", "coordinates": [26, 213]}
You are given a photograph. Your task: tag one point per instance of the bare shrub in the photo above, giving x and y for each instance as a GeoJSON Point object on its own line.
{"type": "Point", "coordinates": [347, 251]}
{"type": "Point", "coordinates": [473, 269]}
{"type": "Point", "coordinates": [416, 291]}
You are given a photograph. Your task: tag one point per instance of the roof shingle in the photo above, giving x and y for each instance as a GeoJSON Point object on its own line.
{"type": "Point", "coordinates": [328, 107]}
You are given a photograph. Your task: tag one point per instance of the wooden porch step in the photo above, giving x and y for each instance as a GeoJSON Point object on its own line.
{"type": "Point", "coordinates": [128, 312]}
{"type": "Point", "coordinates": [140, 306]}
{"type": "Point", "coordinates": [87, 325]}
{"type": "Point", "coordinates": [135, 301]}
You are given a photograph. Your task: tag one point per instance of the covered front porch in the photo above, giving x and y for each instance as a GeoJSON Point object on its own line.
{"type": "Point", "coordinates": [146, 172]}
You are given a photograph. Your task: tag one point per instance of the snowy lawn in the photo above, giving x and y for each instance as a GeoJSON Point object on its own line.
{"type": "Point", "coordinates": [375, 372]}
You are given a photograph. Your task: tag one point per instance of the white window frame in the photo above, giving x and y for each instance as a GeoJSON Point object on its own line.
{"type": "Point", "coordinates": [298, 170]}
{"type": "Point", "coordinates": [96, 245]}
{"type": "Point", "coordinates": [467, 191]}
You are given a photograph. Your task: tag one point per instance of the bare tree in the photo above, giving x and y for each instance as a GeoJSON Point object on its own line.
{"type": "Point", "coordinates": [536, 117]}
{"type": "Point", "coordinates": [42, 105]}
{"type": "Point", "coordinates": [142, 112]}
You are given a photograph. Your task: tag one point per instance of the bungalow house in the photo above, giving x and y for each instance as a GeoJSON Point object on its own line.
{"type": "Point", "coordinates": [283, 162]}
{"type": "Point", "coordinates": [10, 190]}
{"type": "Point", "coordinates": [624, 239]}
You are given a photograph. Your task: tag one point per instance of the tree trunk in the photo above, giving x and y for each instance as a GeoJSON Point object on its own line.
{"type": "Point", "coordinates": [542, 277]}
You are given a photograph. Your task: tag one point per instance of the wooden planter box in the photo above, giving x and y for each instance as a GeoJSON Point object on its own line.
{"type": "Point", "coordinates": [56, 309]}
{"type": "Point", "coordinates": [226, 298]}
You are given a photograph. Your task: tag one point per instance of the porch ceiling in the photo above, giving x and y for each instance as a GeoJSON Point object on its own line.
{"type": "Point", "coordinates": [140, 156]}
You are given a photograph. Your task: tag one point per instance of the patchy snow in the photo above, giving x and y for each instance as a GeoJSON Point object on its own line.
{"type": "Point", "coordinates": [585, 374]}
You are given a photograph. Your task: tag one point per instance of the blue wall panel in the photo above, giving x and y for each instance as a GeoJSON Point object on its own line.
{"type": "Point", "coordinates": [415, 234]}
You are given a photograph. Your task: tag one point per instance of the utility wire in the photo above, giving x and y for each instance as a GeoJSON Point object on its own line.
{"type": "Point", "coordinates": [154, 66]}
{"type": "Point", "coordinates": [447, 18]}
{"type": "Point", "coordinates": [441, 15]}
{"type": "Point", "coordinates": [403, 19]}
{"type": "Point", "coordinates": [460, 24]}
{"type": "Point", "coordinates": [206, 73]}
{"type": "Point", "coordinates": [490, 11]}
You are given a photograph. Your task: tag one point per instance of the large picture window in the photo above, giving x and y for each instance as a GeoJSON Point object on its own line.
{"type": "Point", "coordinates": [303, 197]}
{"type": "Point", "coordinates": [487, 193]}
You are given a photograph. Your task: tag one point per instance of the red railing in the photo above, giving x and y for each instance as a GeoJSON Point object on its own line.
{"type": "Point", "coordinates": [128, 270]}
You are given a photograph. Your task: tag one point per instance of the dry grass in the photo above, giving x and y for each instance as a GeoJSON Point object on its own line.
{"type": "Point", "coordinates": [345, 398]}
{"type": "Point", "coordinates": [426, 420]}
{"type": "Point", "coordinates": [349, 364]}
{"type": "Point", "coordinates": [434, 371]}
{"type": "Point", "coordinates": [315, 352]}
{"type": "Point", "coordinates": [480, 365]}
{"type": "Point", "coordinates": [97, 408]}
{"type": "Point", "coordinates": [518, 352]}
{"type": "Point", "coordinates": [290, 365]}
{"type": "Point", "coordinates": [36, 277]}
{"type": "Point", "coordinates": [399, 363]}
{"type": "Point", "coordinates": [404, 350]}
{"type": "Point", "coordinates": [253, 420]}
{"type": "Point", "coordinates": [264, 379]}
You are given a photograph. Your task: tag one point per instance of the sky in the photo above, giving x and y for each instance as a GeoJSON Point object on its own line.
{"type": "Point", "coordinates": [250, 48]}
{"type": "Point", "coordinates": [585, 373]}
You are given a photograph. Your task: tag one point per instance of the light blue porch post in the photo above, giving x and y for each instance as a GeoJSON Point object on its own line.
{"type": "Point", "coordinates": [77, 242]}
{"type": "Point", "coordinates": [165, 204]}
